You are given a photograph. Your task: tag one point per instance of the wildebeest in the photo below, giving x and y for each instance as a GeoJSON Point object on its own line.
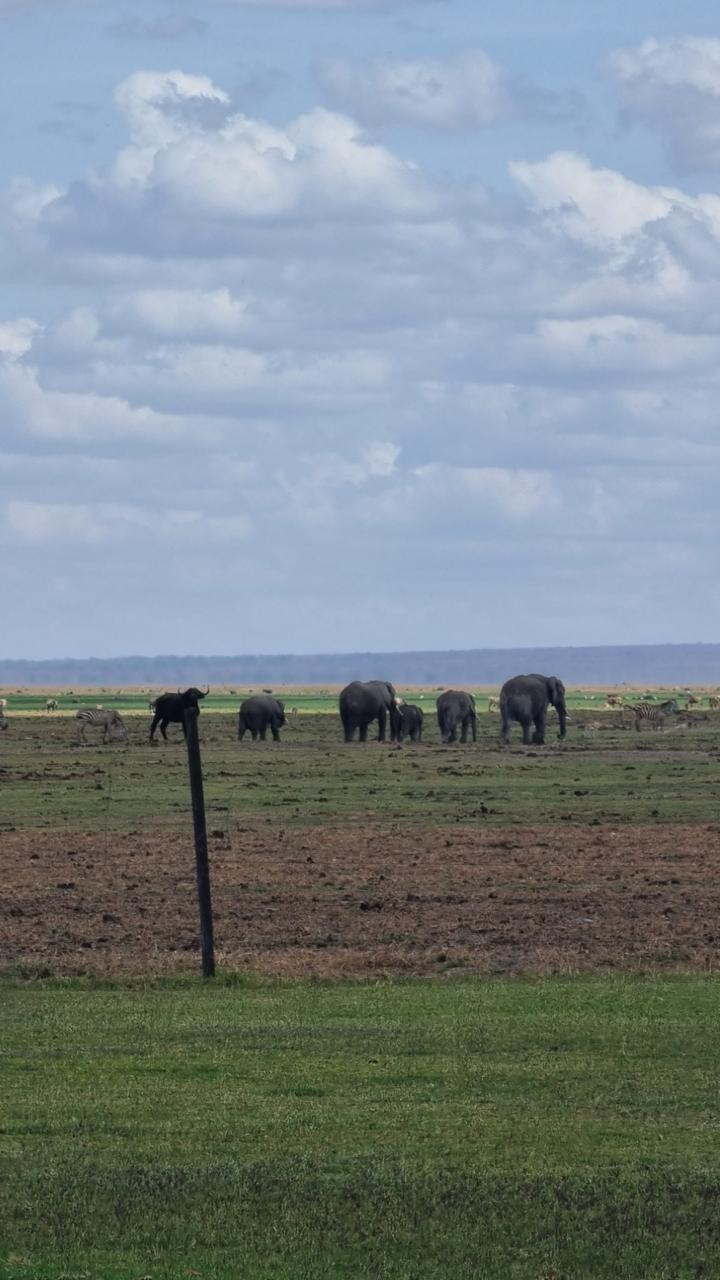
{"type": "Point", "coordinates": [170, 708]}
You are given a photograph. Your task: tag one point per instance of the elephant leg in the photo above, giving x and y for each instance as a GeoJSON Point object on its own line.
{"type": "Point", "coordinates": [362, 735]}
{"type": "Point", "coordinates": [242, 729]}
{"type": "Point", "coordinates": [382, 723]}
{"type": "Point", "coordinates": [539, 734]}
{"type": "Point", "coordinates": [473, 723]}
{"type": "Point", "coordinates": [275, 733]}
{"type": "Point", "coordinates": [527, 739]}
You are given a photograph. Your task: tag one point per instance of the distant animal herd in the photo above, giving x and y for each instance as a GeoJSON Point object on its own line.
{"type": "Point", "coordinates": [524, 699]}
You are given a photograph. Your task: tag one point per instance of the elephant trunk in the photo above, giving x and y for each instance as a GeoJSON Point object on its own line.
{"type": "Point", "coordinates": [562, 717]}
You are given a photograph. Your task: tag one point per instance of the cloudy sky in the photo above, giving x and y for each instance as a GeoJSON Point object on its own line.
{"type": "Point", "coordinates": [358, 324]}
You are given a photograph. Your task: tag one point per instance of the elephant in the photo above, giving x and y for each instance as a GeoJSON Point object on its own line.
{"type": "Point", "coordinates": [259, 713]}
{"type": "Point", "coordinates": [410, 723]}
{"type": "Point", "coordinates": [455, 707]}
{"type": "Point", "coordinates": [361, 702]}
{"type": "Point", "coordinates": [526, 699]}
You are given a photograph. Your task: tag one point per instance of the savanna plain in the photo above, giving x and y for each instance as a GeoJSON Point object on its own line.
{"type": "Point", "coordinates": [465, 1021]}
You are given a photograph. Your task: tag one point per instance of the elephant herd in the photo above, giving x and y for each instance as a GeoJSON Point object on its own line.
{"type": "Point", "coordinates": [524, 699]}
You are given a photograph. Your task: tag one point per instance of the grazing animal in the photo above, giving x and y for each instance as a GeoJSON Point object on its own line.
{"type": "Point", "coordinates": [655, 715]}
{"type": "Point", "coordinates": [170, 708]}
{"type": "Point", "coordinates": [3, 704]}
{"type": "Point", "coordinates": [51, 704]}
{"type": "Point", "coordinates": [455, 707]}
{"type": "Point", "coordinates": [258, 714]}
{"type": "Point", "coordinates": [691, 700]}
{"type": "Point", "coordinates": [361, 702]}
{"type": "Point", "coordinates": [4, 722]}
{"type": "Point", "coordinates": [526, 699]}
{"type": "Point", "coordinates": [410, 723]}
{"type": "Point", "coordinates": [100, 717]}
{"type": "Point", "coordinates": [714, 702]}
{"type": "Point", "coordinates": [614, 700]}
{"type": "Point", "coordinates": [493, 704]}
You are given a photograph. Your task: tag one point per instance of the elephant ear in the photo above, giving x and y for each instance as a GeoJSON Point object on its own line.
{"type": "Point", "coordinates": [555, 688]}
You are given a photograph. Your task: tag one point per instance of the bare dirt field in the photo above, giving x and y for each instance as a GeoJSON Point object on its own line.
{"type": "Point", "coordinates": [325, 903]}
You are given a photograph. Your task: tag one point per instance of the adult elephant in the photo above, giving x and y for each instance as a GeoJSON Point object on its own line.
{"type": "Point", "coordinates": [258, 714]}
{"type": "Point", "coordinates": [363, 701]}
{"type": "Point", "coordinates": [455, 707]}
{"type": "Point", "coordinates": [526, 699]}
{"type": "Point", "coordinates": [410, 723]}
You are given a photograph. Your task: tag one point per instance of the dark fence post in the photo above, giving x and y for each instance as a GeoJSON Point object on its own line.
{"type": "Point", "coordinates": [201, 848]}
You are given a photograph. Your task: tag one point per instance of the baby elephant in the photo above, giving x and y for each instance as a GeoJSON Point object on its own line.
{"type": "Point", "coordinates": [410, 723]}
{"type": "Point", "coordinates": [259, 713]}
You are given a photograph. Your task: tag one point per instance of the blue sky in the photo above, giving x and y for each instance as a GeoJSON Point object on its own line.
{"type": "Point", "coordinates": [342, 325]}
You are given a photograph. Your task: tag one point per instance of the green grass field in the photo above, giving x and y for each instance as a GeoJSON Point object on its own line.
{"type": "Point", "coordinates": [525, 1128]}
{"type": "Point", "coordinates": [311, 777]}
{"type": "Point", "coordinates": [319, 699]}
{"type": "Point", "coordinates": [496, 1129]}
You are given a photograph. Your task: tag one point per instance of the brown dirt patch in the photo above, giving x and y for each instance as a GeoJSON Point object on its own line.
{"type": "Point", "coordinates": [302, 903]}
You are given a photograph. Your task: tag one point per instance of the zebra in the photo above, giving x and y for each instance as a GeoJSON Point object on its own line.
{"type": "Point", "coordinates": [51, 704]}
{"type": "Point", "coordinates": [4, 722]}
{"type": "Point", "coordinates": [655, 715]}
{"type": "Point", "coordinates": [614, 700]}
{"type": "Point", "coordinates": [107, 717]}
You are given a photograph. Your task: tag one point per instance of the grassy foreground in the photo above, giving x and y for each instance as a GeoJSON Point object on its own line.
{"type": "Point", "coordinates": [518, 1129]}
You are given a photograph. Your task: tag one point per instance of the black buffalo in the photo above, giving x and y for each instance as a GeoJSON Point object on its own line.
{"type": "Point", "coordinates": [170, 708]}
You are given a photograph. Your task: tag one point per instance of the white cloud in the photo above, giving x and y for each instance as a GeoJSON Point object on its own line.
{"type": "Point", "coordinates": [601, 204]}
{"type": "Point", "coordinates": [274, 349]}
{"type": "Point", "coordinates": [514, 493]}
{"type": "Point", "coordinates": [16, 336]}
{"type": "Point", "coordinates": [92, 523]}
{"type": "Point", "coordinates": [673, 87]}
{"type": "Point", "coordinates": [183, 313]}
{"type": "Point", "coordinates": [467, 91]}
{"type": "Point", "coordinates": [78, 416]}
{"type": "Point", "coordinates": [227, 166]}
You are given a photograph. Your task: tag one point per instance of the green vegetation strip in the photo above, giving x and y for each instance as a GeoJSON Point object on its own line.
{"type": "Point", "coordinates": [313, 778]}
{"type": "Point", "coordinates": [531, 1129]}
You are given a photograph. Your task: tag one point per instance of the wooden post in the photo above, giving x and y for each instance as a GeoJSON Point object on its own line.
{"type": "Point", "coordinates": [201, 848]}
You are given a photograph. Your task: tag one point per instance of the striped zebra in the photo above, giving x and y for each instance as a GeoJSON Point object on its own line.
{"type": "Point", "coordinates": [655, 714]}
{"type": "Point", "coordinates": [104, 717]}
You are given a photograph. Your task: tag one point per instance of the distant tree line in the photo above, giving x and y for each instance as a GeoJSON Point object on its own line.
{"type": "Point", "coordinates": [675, 664]}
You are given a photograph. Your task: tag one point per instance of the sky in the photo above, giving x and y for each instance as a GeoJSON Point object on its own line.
{"type": "Point", "coordinates": [344, 325]}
